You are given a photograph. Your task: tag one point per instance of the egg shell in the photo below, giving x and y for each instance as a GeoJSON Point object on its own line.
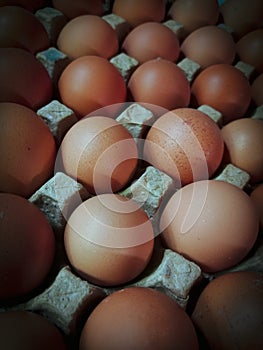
{"type": "Point", "coordinates": [109, 240]}
{"type": "Point", "coordinates": [223, 87]}
{"type": "Point", "coordinates": [89, 83]}
{"type": "Point", "coordinates": [27, 247]}
{"type": "Point", "coordinates": [30, 5]}
{"type": "Point", "coordinates": [136, 12]}
{"type": "Point", "coordinates": [200, 223]}
{"type": "Point", "coordinates": [26, 330]}
{"type": "Point", "coordinates": [186, 144]}
{"type": "Point", "coordinates": [28, 150]}
{"type": "Point", "coordinates": [194, 14]}
{"type": "Point", "coordinates": [250, 49]}
{"type": "Point", "coordinates": [257, 198]}
{"type": "Point", "coordinates": [138, 318]}
{"type": "Point", "coordinates": [209, 45]}
{"type": "Point", "coordinates": [100, 153]}
{"type": "Point", "coordinates": [151, 40]}
{"type": "Point", "coordinates": [257, 90]}
{"type": "Point", "coordinates": [229, 311]}
{"type": "Point", "coordinates": [159, 82]}
{"type": "Point", "coordinates": [20, 28]}
{"type": "Point", "coordinates": [88, 35]}
{"type": "Point", "coordinates": [244, 146]}
{"type": "Point", "coordinates": [79, 7]}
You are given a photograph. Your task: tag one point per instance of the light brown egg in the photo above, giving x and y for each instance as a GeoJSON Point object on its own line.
{"type": "Point", "coordinates": [100, 153]}
{"type": "Point", "coordinates": [244, 145]}
{"type": "Point", "coordinates": [24, 330]}
{"type": "Point", "coordinates": [151, 40]}
{"type": "Point", "coordinates": [250, 49]}
{"type": "Point", "coordinates": [159, 82]}
{"type": "Point", "coordinates": [210, 222]}
{"type": "Point", "coordinates": [194, 14]}
{"type": "Point", "coordinates": [223, 87]}
{"type": "Point", "coordinates": [186, 144]}
{"type": "Point", "coordinates": [88, 35]}
{"type": "Point", "coordinates": [109, 240]}
{"type": "Point", "coordinates": [229, 311]}
{"type": "Point", "coordinates": [138, 318]}
{"type": "Point", "coordinates": [30, 86]}
{"type": "Point", "coordinates": [28, 150]}
{"type": "Point", "coordinates": [27, 247]}
{"type": "Point", "coordinates": [209, 45]}
{"type": "Point", "coordinates": [89, 83]}
{"type": "Point", "coordinates": [136, 12]}
{"type": "Point", "coordinates": [20, 28]}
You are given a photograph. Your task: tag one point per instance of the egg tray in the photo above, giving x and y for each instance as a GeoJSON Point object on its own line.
{"type": "Point", "coordinates": [66, 299]}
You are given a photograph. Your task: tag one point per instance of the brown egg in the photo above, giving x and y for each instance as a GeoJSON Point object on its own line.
{"type": "Point", "coordinates": [31, 5]}
{"type": "Point", "coordinates": [224, 88]}
{"type": "Point", "coordinates": [100, 153]}
{"type": "Point", "coordinates": [20, 28]}
{"type": "Point", "coordinates": [28, 150]}
{"type": "Point", "coordinates": [160, 82]}
{"type": "Point", "coordinates": [229, 311]}
{"type": "Point", "coordinates": [194, 14]}
{"type": "Point", "coordinates": [24, 330]}
{"type": "Point", "coordinates": [136, 12]}
{"type": "Point", "coordinates": [244, 145]}
{"type": "Point", "coordinates": [88, 35]}
{"type": "Point", "coordinates": [27, 247]}
{"type": "Point", "coordinates": [23, 79]}
{"type": "Point", "coordinates": [89, 83]}
{"type": "Point", "coordinates": [241, 17]}
{"type": "Point", "coordinates": [209, 45]}
{"type": "Point", "coordinates": [250, 49]}
{"type": "Point", "coordinates": [138, 318]}
{"type": "Point", "coordinates": [186, 144]}
{"type": "Point", "coordinates": [72, 9]}
{"type": "Point", "coordinates": [109, 240]}
{"type": "Point", "coordinates": [210, 222]}
{"type": "Point", "coordinates": [257, 198]}
{"type": "Point", "coordinates": [257, 90]}
{"type": "Point", "coordinates": [151, 40]}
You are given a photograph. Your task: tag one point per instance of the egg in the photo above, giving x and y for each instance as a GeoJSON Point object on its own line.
{"type": "Point", "coordinates": [186, 144]}
{"type": "Point", "coordinates": [151, 40]}
{"type": "Point", "coordinates": [200, 223]}
{"type": "Point", "coordinates": [78, 7]}
{"type": "Point", "coordinates": [257, 198]}
{"type": "Point", "coordinates": [241, 17]}
{"type": "Point", "coordinates": [28, 150]}
{"type": "Point", "coordinates": [229, 311]}
{"type": "Point", "coordinates": [257, 90]}
{"type": "Point", "coordinates": [244, 145]}
{"type": "Point", "coordinates": [30, 86]}
{"type": "Point", "coordinates": [100, 153]}
{"type": "Point", "coordinates": [138, 318]}
{"type": "Point", "coordinates": [88, 35]}
{"type": "Point", "coordinates": [24, 330]}
{"type": "Point", "coordinates": [209, 45]}
{"type": "Point", "coordinates": [27, 247]}
{"type": "Point", "coordinates": [194, 14]}
{"type": "Point", "coordinates": [136, 12]}
{"type": "Point", "coordinates": [223, 87]}
{"type": "Point", "coordinates": [20, 28]}
{"type": "Point", "coordinates": [250, 49]}
{"type": "Point", "coordinates": [109, 239]}
{"type": "Point", "coordinates": [31, 5]}
{"type": "Point", "coordinates": [89, 83]}
{"type": "Point", "coordinates": [159, 82]}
